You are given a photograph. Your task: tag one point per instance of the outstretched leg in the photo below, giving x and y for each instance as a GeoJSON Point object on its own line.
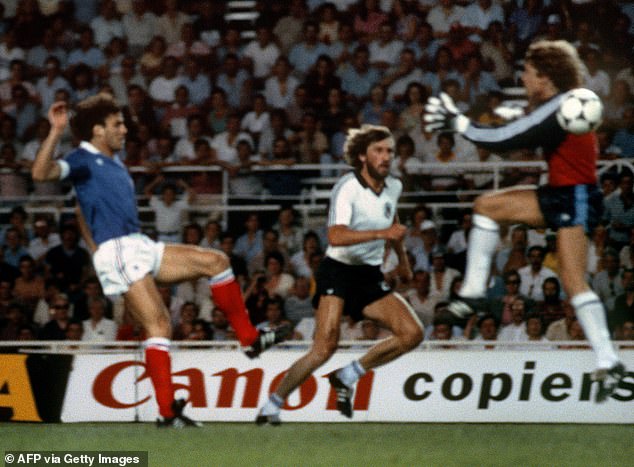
{"type": "Point", "coordinates": [186, 262]}
{"type": "Point", "coordinates": [395, 314]}
{"type": "Point", "coordinates": [328, 318]}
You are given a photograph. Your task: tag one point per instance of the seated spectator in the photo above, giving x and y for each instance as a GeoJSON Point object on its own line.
{"type": "Point", "coordinates": [357, 76]}
{"type": "Point", "coordinates": [107, 24]}
{"type": "Point", "coordinates": [225, 143]}
{"type": "Point", "coordinates": [624, 136]}
{"type": "Point", "coordinates": [174, 119]}
{"type": "Point", "coordinates": [185, 151]}
{"type": "Point", "coordinates": [87, 52]}
{"type": "Point", "coordinates": [38, 55]}
{"type": "Point", "coordinates": [303, 55]}
{"type": "Point", "coordinates": [15, 318]}
{"type": "Point", "coordinates": [250, 242]}
{"type": "Point", "coordinates": [298, 304]}
{"type": "Point", "coordinates": [444, 178]}
{"type": "Point", "coordinates": [559, 330]}
{"type": "Point", "coordinates": [220, 329]}
{"type": "Point", "coordinates": [139, 25]}
{"type": "Point", "coordinates": [619, 211]}
{"type": "Point", "coordinates": [261, 53]}
{"type": "Point", "coordinates": [280, 87]}
{"type": "Point", "coordinates": [281, 182]}
{"type": "Point", "coordinates": [607, 283]}
{"type": "Point", "coordinates": [515, 331]}
{"type": "Point", "coordinates": [29, 286]}
{"type": "Point", "coordinates": [163, 86]}
{"type": "Point", "coordinates": [237, 262]}
{"type": "Point", "coordinates": [185, 326]}
{"type": "Point", "coordinates": [74, 331]}
{"type": "Point", "coordinates": [56, 328]}
{"type": "Point", "coordinates": [443, 329]}
{"type": "Point", "coordinates": [234, 84]}
{"type": "Point", "coordinates": [152, 59]}
{"type": "Point", "coordinates": [310, 143]}
{"type": "Point", "coordinates": [277, 281]}
{"type": "Point", "coordinates": [13, 183]}
{"type": "Point", "coordinates": [270, 243]}
{"type": "Point", "coordinates": [189, 45]}
{"type": "Point", "coordinates": [90, 288]}
{"type": "Point", "coordinates": [625, 331]}
{"type": "Point", "coordinates": [82, 82]}
{"type": "Point", "coordinates": [201, 331]}
{"type": "Point", "coordinates": [274, 314]}
{"type": "Point", "coordinates": [301, 261]}
{"type": "Point", "coordinates": [482, 329]}
{"type": "Point", "coordinates": [13, 247]}
{"type": "Point", "coordinates": [255, 298]}
{"type": "Point", "coordinates": [534, 274]}
{"type": "Point", "coordinates": [169, 211]}
{"type": "Point", "coordinates": [47, 85]}
{"type": "Point", "coordinates": [624, 303]}
{"type": "Point", "coordinates": [98, 328]}
{"type": "Point", "coordinates": [418, 296]}
{"type": "Point", "coordinates": [551, 308]}
{"type": "Point", "coordinates": [288, 226]}
{"type": "Point", "coordinates": [8, 272]}
{"type": "Point", "coordinates": [256, 119]}
{"type": "Point", "coordinates": [68, 262]}
{"type": "Point", "coordinates": [320, 80]}
{"type": "Point", "coordinates": [441, 275]}
{"type": "Point", "coordinates": [196, 81]}
{"type": "Point", "coordinates": [170, 24]}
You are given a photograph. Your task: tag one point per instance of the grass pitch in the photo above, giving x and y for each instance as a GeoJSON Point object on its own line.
{"type": "Point", "coordinates": [345, 444]}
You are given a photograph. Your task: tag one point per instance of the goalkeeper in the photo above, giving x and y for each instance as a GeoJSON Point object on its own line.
{"type": "Point", "coordinates": [570, 203]}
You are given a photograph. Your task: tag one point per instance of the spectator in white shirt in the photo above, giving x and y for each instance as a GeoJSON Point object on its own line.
{"type": "Point", "coordinates": [98, 328]}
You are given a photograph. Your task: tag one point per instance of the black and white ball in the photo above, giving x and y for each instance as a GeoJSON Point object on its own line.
{"type": "Point", "coordinates": [580, 111]}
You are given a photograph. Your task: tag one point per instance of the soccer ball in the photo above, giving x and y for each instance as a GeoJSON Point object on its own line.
{"type": "Point", "coordinates": [580, 111]}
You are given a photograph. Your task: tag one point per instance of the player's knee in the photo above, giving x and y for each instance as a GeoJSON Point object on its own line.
{"type": "Point", "coordinates": [217, 262]}
{"type": "Point", "coordinates": [482, 205]}
{"type": "Point", "coordinates": [322, 351]}
{"type": "Point", "coordinates": [412, 338]}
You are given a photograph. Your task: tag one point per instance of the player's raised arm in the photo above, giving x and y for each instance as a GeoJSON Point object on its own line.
{"type": "Point", "coordinates": [44, 167]}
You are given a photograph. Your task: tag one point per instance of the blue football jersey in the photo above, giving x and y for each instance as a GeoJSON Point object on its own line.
{"type": "Point", "coordinates": [105, 192]}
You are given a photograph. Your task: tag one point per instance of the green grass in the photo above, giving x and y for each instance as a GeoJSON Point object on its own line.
{"type": "Point", "coordinates": [364, 444]}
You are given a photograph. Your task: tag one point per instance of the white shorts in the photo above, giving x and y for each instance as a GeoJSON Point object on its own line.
{"type": "Point", "coordinates": [122, 261]}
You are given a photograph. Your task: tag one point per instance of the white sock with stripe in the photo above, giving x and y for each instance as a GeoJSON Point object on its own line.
{"type": "Point", "coordinates": [483, 239]}
{"type": "Point", "coordinates": [591, 316]}
{"type": "Point", "coordinates": [351, 373]}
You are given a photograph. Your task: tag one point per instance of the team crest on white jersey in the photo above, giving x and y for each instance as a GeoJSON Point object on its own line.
{"type": "Point", "coordinates": [387, 210]}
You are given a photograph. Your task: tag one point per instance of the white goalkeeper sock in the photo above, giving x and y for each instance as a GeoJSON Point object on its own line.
{"type": "Point", "coordinates": [591, 316]}
{"type": "Point", "coordinates": [483, 239]}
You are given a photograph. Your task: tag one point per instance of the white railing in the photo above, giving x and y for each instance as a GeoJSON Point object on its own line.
{"type": "Point", "coordinates": [75, 347]}
{"type": "Point", "coordinates": [315, 192]}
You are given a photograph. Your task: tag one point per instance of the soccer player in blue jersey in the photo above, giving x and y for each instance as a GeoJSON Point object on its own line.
{"type": "Point", "coordinates": [126, 261]}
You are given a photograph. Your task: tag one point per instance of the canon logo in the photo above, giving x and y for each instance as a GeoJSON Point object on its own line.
{"type": "Point", "coordinates": [102, 388]}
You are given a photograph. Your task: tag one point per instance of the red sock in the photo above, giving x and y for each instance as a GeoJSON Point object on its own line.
{"type": "Point", "coordinates": [159, 368]}
{"type": "Point", "coordinates": [228, 297]}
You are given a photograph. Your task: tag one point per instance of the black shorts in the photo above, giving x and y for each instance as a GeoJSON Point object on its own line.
{"type": "Point", "coordinates": [359, 286]}
{"type": "Point", "coordinates": [567, 206]}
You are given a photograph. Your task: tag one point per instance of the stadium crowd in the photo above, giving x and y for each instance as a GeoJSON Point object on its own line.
{"type": "Point", "coordinates": [196, 93]}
